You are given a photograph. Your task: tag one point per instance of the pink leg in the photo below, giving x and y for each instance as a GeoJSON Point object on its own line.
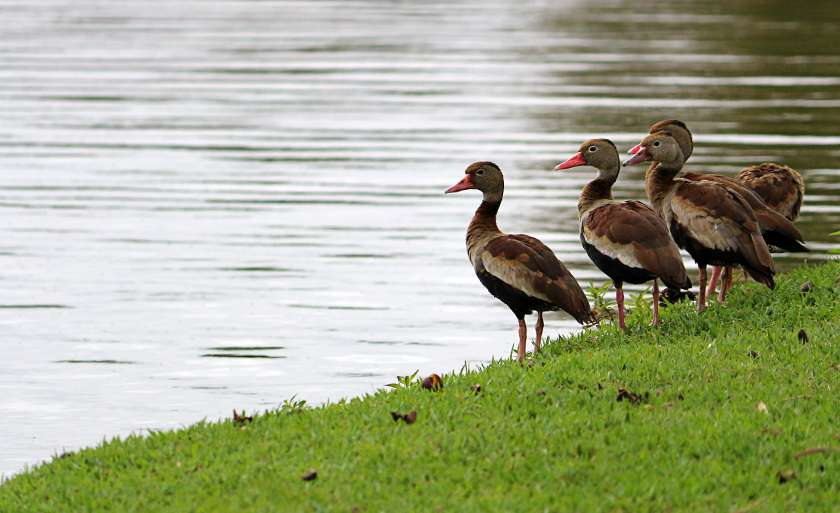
{"type": "Point", "coordinates": [701, 302]}
{"type": "Point", "coordinates": [539, 328]}
{"type": "Point", "coordinates": [713, 280]}
{"type": "Point", "coordinates": [619, 298]}
{"type": "Point", "coordinates": [729, 272]}
{"type": "Point", "coordinates": [523, 334]}
{"type": "Point", "coordinates": [655, 303]}
{"type": "Point", "coordinates": [725, 284]}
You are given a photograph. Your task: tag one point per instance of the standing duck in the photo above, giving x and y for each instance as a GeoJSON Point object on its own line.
{"type": "Point", "coordinates": [711, 221]}
{"type": "Point", "coordinates": [780, 187]}
{"type": "Point", "coordinates": [519, 270]}
{"type": "Point", "coordinates": [777, 230]}
{"type": "Point", "coordinates": [626, 240]}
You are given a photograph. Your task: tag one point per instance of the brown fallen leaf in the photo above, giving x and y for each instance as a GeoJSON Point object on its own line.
{"type": "Point", "coordinates": [774, 432]}
{"type": "Point", "coordinates": [649, 407]}
{"type": "Point", "coordinates": [310, 476]}
{"type": "Point", "coordinates": [814, 450]}
{"type": "Point", "coordinates": [763, 408]}
{"type": "Point", "coordinates": [241, 419]}
{"type": "Point", "coordinates": [803, 337]}
{"type": "Point", "coordinates": [540, 393]}
{"type": "Point", "coordinates": [748, 507]}
{"type": "Point", "coordinates": [476, 389]}
{"type": "Point", "coordinates": [806, 287]}
{"type": "Point", "coordinates": [409, 419]}
{"type": "Point", "coordinates": [668, 405]}
{"type": "Point", "coordinates": [785, 476]}
{"type": "Point", "coordinates": [805, 396]}
{"type": "Point", "coordinates": [623, 394]}
{"type": "Point", "coordinates": [753, 354]}
{"type": "Point", "coordinates": [432, 383]}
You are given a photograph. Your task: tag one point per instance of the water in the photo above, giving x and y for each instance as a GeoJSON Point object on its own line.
{"type": "Point", "coordinates": [218, 205]}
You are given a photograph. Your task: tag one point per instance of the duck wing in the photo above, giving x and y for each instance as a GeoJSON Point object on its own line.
{"type": "Point", "coordinates": [527, 264]}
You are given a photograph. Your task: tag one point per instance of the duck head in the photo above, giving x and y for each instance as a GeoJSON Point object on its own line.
{"type": "Point", "coordinates": [678, 131]}
{"type": "Point", "coordinates": [598, 153]}
{"type": "Point", "coordinates": [484, 176]}
{"type": "Point", "coordinates": [660, 147]}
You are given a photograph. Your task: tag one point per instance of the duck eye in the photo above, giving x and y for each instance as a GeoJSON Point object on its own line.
{"type": "Point", "coordinates": [656, 143]}
{"type": "Point", "coordinates": [480, 172]}
{"type": "Point", "coordinates": [592, 148]}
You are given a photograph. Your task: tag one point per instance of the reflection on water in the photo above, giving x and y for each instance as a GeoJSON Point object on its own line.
{"type": "Point", "coordinates": [221, 205]}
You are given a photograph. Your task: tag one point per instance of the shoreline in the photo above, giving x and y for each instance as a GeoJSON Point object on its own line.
{"type": "Point", "coordinates": [647, 419]}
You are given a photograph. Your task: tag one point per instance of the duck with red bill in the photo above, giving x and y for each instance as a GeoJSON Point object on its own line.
{"type": "Point", "coordinates": [710, 220]}
{"type": "Point", "coordinates": [626, 240]}
{"type": "Point", "coordinates": [519, 270]}
{"type": "Point", "coordinates": [778, 231]}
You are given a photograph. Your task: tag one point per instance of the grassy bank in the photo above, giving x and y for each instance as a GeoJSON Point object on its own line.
{"type": "Point", "coordinates": [715, 411]}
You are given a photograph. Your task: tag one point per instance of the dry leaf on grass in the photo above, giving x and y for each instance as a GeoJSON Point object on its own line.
{"type": "Point", "coordinates": [433, 383]}
{"type": "Point", "coordinates": [803, 337]}
{"type": "Point", "coordinates": [409, 419]}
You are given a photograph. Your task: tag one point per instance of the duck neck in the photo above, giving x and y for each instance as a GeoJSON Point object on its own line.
{"type": "Point", "coordinates": [659, 181]}
{"type": "Point", "coordinates": [484, 219]}
{"type": "Point", "coordinates": [598, 190]}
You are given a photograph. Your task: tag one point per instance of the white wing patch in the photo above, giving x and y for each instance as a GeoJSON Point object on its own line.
{"type": "Point", "coordinates": [514, 273]}
{"type": "Point", "coordinates": [624, 253]}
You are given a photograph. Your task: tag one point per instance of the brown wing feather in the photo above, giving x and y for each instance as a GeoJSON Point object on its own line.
{"type": "Point", "coordinates": [720, 218]}
{"type": "Point", "coordinates": [768, 219]}
{"type": "Point", "coordinates": [634, 226]}
{"type": "Point", "coordinates": [529, 265]}
{"type": "Point", "coordinates": [781, 188]}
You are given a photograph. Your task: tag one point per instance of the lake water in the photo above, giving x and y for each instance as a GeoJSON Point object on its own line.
{"type": "Point", "coordinates": [224, 204]}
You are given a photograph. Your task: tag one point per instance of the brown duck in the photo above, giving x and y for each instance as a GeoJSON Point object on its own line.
{"type": "Point", "coordinates": [777, 230]}
{"type": "Point", "coordinates": [519, 270]}
{"type": "Point", "coordinates": [710, 220]}
{"type": "Point", "coordinates": [626, 240]}
{"type": "Point", "coordinates": [781, 187]}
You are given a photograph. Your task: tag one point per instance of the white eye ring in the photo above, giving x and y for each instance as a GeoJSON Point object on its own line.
{"type": "Point", "coordinates": [593, 148]}
{"type": "Point", "coordinates": [480, 172]}
{"type": "Point", "coordinates": [656, 143]}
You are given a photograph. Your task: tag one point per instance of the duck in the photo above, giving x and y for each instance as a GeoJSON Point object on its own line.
{"type": "Point", "coordinates": [626, 240]}
{"type": "Point", "coordinates": [711, 221]}
{"type": "Point", "coordinates": [778, 231]}
{"type": "Point", "coordinates": [781, 187]}
{"type": "Point", "coordinates": [519, 270]}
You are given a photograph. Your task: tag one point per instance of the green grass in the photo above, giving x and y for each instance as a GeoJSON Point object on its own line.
{"type": "Point", "coordinates": [547, 437]}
